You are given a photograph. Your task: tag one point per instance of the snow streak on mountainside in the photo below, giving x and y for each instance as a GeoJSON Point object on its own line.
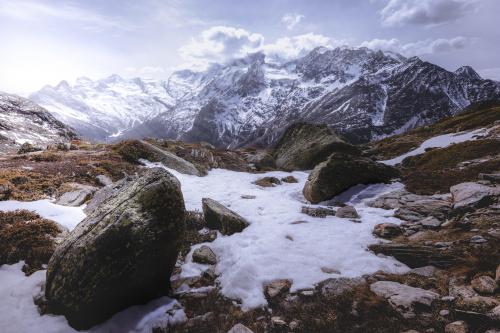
{"type": "Point", "coordinates": [361, 93]}
{"type": "Point", "coordinates": [22, 121]}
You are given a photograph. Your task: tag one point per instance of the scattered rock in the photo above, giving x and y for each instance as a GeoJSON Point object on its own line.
{"type": "Point", "coordinates": [329, 270]}
{"type": "Point", "coordinates": [456, 327]}
{"type": "Point", "coordinates": [303, 146]}
{"type": "Point", "coordinates": [335, 287]}
{"type": "Point", "coordinates": [246, 196]}
{"type": "Point", "coordinates": [239, 328]}
{"type": "Point", "coordinates": [122, 254]}
{"type": "Point", "coordinates": [104, 180]}
{"type": "Point", "coordinates": [221, 218]}
{"type": "Point", "coordinates": [348, 212]}
{"type": "Point", "coordinates": [6, 189]}
{"type": "Point", "coordinates": [477, 239]}
{"type": "Point", "coordinates": [492, 177]}
{"type": "Point", "coordinates": [28, 148]}
{"type": "Point", "coordinates": [426, 271]}
{"type": "Point", "coordinates": [204, 255]}
{"type": "Point", "coordinates": [340, 172]}
{"type": "Point", "coordinates": [497, 274]}
{"type": "Point", "coordinates": [431, 223]}
{"type": "Point", "coordinates": [278, 325]}
{"type": "Point", "coordinates": [484, 284]}
{"type": "Point", "coordinates": [478, 304]}
{"type": "Point", "coordinates": [444, 313]}
{"type": "Point", "coordinates": [78, 197]}
{"type": "Point", "coordinates": [473, 195]}
{"type": "Point", "coordinates": [494, 314]}
{"type": "Point", "coordinates": [267, 182]}
{"type": "Point", "coordinates": [418, 255]}
{"type": "Point", "coordinates": [318, 211]}
{"type": "Point", "coordinates": [403, 298]}
{"type": "Point", "coordinates": [277, 288]}
{"type": "Point", "coordinates": [387, 230]}
{"type": "Point", "coordinates": [289, 179]}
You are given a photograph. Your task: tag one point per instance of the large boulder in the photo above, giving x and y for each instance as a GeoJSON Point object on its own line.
{"type": "Point", "coordinates": [221, 218]}
{"type": "Point", "coordinates": [304, 145]}
{"type": "Point", "coordinates": [121, 254]}
{"type": "Point", "coordinates": [342, 171]}
{"type": "Point", "coordinates": [473, 195]}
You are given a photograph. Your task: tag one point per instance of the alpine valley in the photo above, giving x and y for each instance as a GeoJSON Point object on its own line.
{"type": "Point", "coordinates": [360, 93]}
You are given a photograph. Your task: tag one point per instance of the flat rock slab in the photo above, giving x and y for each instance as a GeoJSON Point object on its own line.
{"type": "Point", "coordinates": [473, 195]}
{"type": "Point", "coordinates": [403, 298]}
{"type": "Point", "coordinates": [218, 217]}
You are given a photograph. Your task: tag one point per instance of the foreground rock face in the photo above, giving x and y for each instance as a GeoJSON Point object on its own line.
{"type": "Point", "coordinates": [303, 146]}
{"type": "Point", "coordinates": [221, 218]}
{"type": "Point", "coordinates": [403, 298]}
{"type": "Point", "coordinates": [122, 254]}
{"type": "Point", "coordinates": [342, 171]}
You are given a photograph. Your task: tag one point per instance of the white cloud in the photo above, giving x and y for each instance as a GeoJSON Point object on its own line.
{"type": "Point", "coordinates": [220, 44]}
{"type": "Point", "coordinates": [427, 46]}
{"type": "Point", "coordinates": [40, 10]}
{"type": "Point", "coordinates": [425, 12]}
{"type": "Point", "coordinates": [490, 73]}
{"type": "Point", "coordinates": [146, 70]}
{"type": "Point", "coordinates": [291, 20]}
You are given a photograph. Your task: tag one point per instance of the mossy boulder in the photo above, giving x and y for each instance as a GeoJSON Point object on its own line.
{"type": "Point", "coordinates": [121, 254]}
{"type": "Point", "coordinates": [342, 171]}
{"type": "Point", "coordinates": [218, 217]}
{"type": "Point", "coordinates": [304, 145]}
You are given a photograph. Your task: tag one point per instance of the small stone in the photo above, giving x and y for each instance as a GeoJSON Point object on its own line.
{"type": "Point", "coordinates": [240, 328]}
{"type": "Point", "coordinates": [456, 327]}
{"type": "Point", "coordinates": [425, 271]}
{"type": "Point", "coordinates": [294, 324]}
{"type": "Point", "coordinates": [478, 239]}
{"type": "Point", "coordinates": [497, 274]}
{"type": "Point", "coordinates": [267, 182]}
{"type": "Point", "coordinates": [104, 180]}
{"type": "Point", "coordinates": [335, 287]}
{"type": "Point", "coordinates": [443, 245]}
{"type": "Point", "coordinates": [329, 270]}
{"type": "Point", "coordinates": [430, 223]}
{"type": "Point", "coordinates": [387, 230]}
{"type": "Point", "coordinates": [299, 222]}
{"type": "Point", "coordinates": [444, 313]}
{"type": "Point", "coordinates": [289, 179]}
{"type": "Point", "coordinates": [447, 299]}
{"type": "Point", "coordinates": [247, 196]}
{"type": "Point", "coordinates": [494, 314]}
{"type": "Point", "coordinates": [278, 324]}
{"type": "Point", "coordinates": [484, 284]}
{"type": "Point", "coordinates": [204, 255]}
{"type": "Point", "coordinates": [277, 287]}
{"type": "Point", "coordinates": [317, 211]}
{"type": "Point", "coordinates": [348, 212]}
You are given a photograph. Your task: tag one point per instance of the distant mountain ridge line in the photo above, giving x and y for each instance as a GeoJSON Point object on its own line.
{"type": "Point", "coordinates": [361, 93]}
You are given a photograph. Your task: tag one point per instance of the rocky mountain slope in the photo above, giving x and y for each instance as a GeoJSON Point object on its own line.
{"type": "Point", "coordinates": [23, 121]}
{"type": "Point", "coordinates": [361, 93]}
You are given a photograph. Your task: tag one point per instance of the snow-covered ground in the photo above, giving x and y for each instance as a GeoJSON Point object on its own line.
{"type": "Point", "coordinates": [68, 217]}
{"type": "Point", "coordinates": [273, 247]}
{"type": "Point", "coordinates": [439, 142]}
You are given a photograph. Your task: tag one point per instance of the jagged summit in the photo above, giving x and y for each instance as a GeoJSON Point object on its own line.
{"type": "Point", "coordinates": [361, 93]}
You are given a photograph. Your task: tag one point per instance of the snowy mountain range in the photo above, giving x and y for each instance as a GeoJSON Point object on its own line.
{"type": "Point", "coordinates": [22, 121]}
{"type": "Point", "coordinates": [361, 93]}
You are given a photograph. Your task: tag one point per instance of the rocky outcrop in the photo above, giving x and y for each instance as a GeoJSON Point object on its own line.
{"type": "Point", "coordinates": [473, 195]}
{"type": "Point", "coordinates": [303, 146]}
{"type": "Point", "coordinates": [121, 254]}
{"type": "Point", "coordinates": [77, 196]}
{"type": "Point", "coordinates": [342, 171]}
{"type": "Point", "coordinates": [403, 298]}
{"type": "Point", "coordinates": [221, 218]}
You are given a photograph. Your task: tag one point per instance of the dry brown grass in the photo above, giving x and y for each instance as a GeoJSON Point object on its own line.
{"type": "Point", "coordinates": [24, 235]}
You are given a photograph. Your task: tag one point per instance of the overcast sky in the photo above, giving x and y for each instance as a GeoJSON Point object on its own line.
{"type": "Point", "coordinates": [43, 42]}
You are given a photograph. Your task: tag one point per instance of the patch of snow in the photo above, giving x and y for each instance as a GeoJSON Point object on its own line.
{"type": "Point", "coordinates": [439, 141]}
{"type": "Point", "coordinates": [18, 313]}
{"type": "Point", "coordinates": [68, 217]}
{"type": "Point", "coordinates": [271, 247]}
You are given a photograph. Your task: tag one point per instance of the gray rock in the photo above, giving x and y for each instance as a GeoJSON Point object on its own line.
{"type": "Point", "coordinates": [431, 223]}
{"type": "Point", "coordinates": [494, 314]}
{"type": "Point", "coordinates": [342, 171]}
{"type": "Point", "coordinates": [104, 180]}
{"type": "Point", "coordinates": [78, 197]}
{"type": "Point", "coordinates": [239, 328]}
{"type": "Point", "coordinates": [403, 298]}
{"type": "Point", "coordinates": [303, 146]}
{"type": "Point", "coordinates": [171, 160]}
{"type": "Point", "coordinates": [121, 254]}
{"type": "Point", "coordinates": [492, 177]}
{"type": "Point", "coordinates": [484, 284]}
{"type": "Point", "coordinates": [348, 212]}
{"type": "Point", "coordinates": [277, 288]}
{"type": "Point", "coordinates": [5, 190]}
{"type": "Point", "coordinates": [456, 327]}
{"type": "Point", "coordinates": [387, 230]}
{"type": "Point", "coordinates": [418, 255]}
{"type": "Point", "coordinates": [204, 255]}
{"type": "Point", "coordinates": [321, 212]}
{"type": "Point", "coordinates": [425, 271]}
{"type": "Point", "coordinates": [477, 239]}
{"type": "Point", "coordinates": [473, 195]}
{"type": "Point", "coordinates": [221, 218]}
{"type": "Point", "coordinates": [329, 270]}
{"type": "Point", "coordinates": [335, 287]}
